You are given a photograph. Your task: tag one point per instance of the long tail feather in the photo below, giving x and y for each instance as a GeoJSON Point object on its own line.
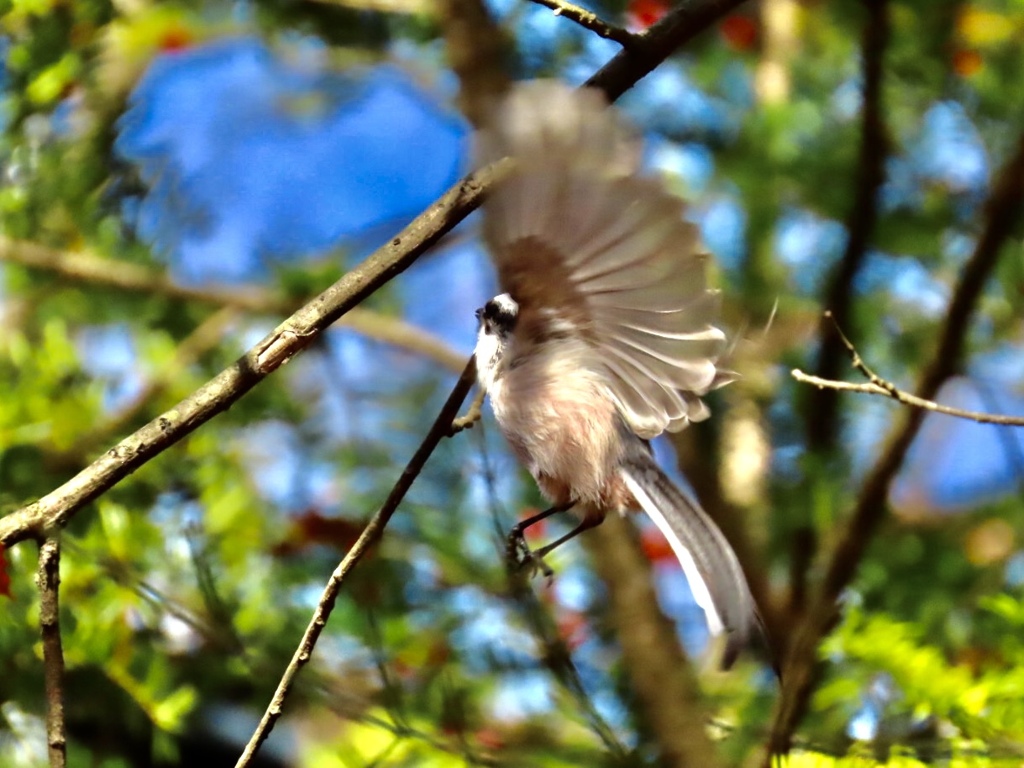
{"type": "Point", "coordinates": [709, 563]}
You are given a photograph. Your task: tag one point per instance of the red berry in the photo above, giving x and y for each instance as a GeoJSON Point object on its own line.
{"type": "Point", "coordinates": [739, 32]}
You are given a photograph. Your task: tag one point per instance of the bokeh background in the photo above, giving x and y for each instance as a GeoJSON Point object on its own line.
{"type": "Point", "coordinates": [178, 176]}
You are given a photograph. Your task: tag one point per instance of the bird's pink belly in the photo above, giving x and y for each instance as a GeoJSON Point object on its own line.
{"type": "Point", "coordinates": [567, 438]}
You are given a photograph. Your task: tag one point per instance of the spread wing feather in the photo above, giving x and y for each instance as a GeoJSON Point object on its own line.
{"type": "Point", "coordinates": [623, 267]}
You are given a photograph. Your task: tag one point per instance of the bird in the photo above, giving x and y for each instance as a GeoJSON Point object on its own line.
{"type": "Point", "coordinates": [603, 336]}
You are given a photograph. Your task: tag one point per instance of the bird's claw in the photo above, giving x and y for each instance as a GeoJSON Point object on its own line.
{"type": "Point", "coordinates": [521, 557]}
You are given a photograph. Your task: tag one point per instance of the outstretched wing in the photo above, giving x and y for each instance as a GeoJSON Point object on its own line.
{"type": "Point", "coordinates": [583, 242]}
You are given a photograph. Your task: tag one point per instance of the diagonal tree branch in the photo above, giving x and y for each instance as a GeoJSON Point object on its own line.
{"type": "Point", "coordinates": [298, 331]}
{"type": "Point", "coordinates": [288, 339]}
{"type": "Point", "coordinates": [1002, 210]}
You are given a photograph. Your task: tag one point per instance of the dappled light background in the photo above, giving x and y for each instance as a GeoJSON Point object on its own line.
{"type": "Point", "coordinates": [261, 149]}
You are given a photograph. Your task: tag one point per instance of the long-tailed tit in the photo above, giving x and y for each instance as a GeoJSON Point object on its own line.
{"type": "Point", "coordinates": [603, 338]}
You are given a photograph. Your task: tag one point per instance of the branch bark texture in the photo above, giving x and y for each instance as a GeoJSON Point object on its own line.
{"type": "Point", "coordinates": [48, 581]}
{"type": "Point", "coordinates": [589, 20]}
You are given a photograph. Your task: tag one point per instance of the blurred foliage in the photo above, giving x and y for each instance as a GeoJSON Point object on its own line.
{"type": "Point", "coordinates": [186, 587]}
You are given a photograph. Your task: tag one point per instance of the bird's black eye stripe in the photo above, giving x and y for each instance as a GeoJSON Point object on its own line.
{"type": "Point", "coordinates": [497, 314]}
{"type": "Point", "coordinates": [495, 311]}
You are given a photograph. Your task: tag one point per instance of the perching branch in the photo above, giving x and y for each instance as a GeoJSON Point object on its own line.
{"type": "Point", "coordinates": [48, 581]}
{"type": "Point", "coordinates": [590, 20]}
{"type": "Point", "coordinates": [293, 335]}
{"type": "Point", "coordinates": [876, 385]}
{"type": "Point", "coordinates": [82, 266]}
{"type": "Point", "coordinates": [553, 649]}
{"type": "Point", "coordinates": [370, 535]}
{"type": "Point", "coordinates": [1001, 212]}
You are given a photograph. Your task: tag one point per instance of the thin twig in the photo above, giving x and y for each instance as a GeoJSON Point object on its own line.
{"type": "Point", "coordinates": [1002, 210]}
{"type": "Point", "coordinates": [370, 535]}
{"type": "Point", "coordinates": [48, 581]}
{"type": "Point", "coordinates": [1012, 449]}
{"type": "Point", "coordinates": [58, 507]}
{"type": "Point", "coordinates": [590, 20]}
{"type": "Point", "coordinates": [555, 653]}
{"type": "Point", "coordinates": [556, 656]}
{"type": "Point", "coordinates": [879, 386]}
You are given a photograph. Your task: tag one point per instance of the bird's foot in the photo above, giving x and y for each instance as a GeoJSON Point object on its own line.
{"type": "Point", "coordinates": [521, 558]}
